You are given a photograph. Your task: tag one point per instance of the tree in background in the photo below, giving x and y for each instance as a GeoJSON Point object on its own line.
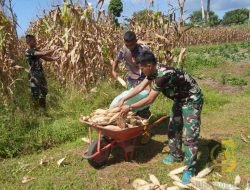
{"type": "Point", "coordinates": [208, 10]}
{"type": "Point", "coordinates": [196, 18]}
{"type": "Point", "coordinates": [237, 16]}
{"type": "Point", "coordinates": [202, 10]}
{"type": "Point", "coordinates": [115, 8]}
{"type": "Point", "coordinates": [143, 16]}
{"type": "Point", "coordinates": [149, 18]}
{"type": "Point", "coordinates": [181, 6]}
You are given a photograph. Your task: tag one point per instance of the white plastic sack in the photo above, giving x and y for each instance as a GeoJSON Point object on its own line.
{"type": "Point", "coordinates": [138, 97]}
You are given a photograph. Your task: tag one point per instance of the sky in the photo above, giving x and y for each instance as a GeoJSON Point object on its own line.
{"type": "Point", "coordinates": [29, 10]}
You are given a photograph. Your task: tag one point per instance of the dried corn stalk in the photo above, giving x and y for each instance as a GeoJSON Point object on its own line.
{"type": "Point", "coordinates": [90, 40]}
{"type": "Point", "coordinates": [8, 55]}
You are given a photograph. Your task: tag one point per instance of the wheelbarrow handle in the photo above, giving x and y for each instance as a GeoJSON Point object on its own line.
{"type": "Point", "coordinates": [158, 121]}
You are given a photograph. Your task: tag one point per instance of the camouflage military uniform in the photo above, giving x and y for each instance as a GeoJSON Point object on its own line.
{"type": "Point", "coordinates": [37, 79]}
{"type": "Point", "coordinates": [186, 94]}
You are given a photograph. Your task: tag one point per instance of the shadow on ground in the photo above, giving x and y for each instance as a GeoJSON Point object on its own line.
{"type": "Point", "coordinates": [143, 153]}
{"type": "Point", "coordinates": [209, 154]}
{"type": "Point", "coordinates": [209, 149]}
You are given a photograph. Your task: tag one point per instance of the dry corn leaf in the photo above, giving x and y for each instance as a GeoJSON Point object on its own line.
{"type": "Point", "coordinates": [85, 139]}
{"type": "Point", "coordinates": [247, 186]}
{"type": "Point", "coordinates": [237, 180]}
{"type": "Point", "coordinates": [138, 183]}
{"type": "Point", "coordinates": [244, 138]}
{"type": "Point", "coordinates": [196, 179]}
{"type": "Point", "coordinates": [204, 172]}
{"type": "Point", "coordinates": [60, 162]}
{"type": "Point", "coordinates": [44, 161]}
{"type": "Point", "coordinates": [163, 187]}
{"type": "Point", "coordinates": [194, 187]}
{"type": "Point", "coordinates": [174, 177]}
{"type": "Point", "coordinates": [122, 82]}
{"type": "Point", "coordinates": [178, 170]}
{"type": "Point", "coordinates": [173, 188]}
{"type": "Point", "coordinates": [154, 179]}
{"type": "Point", "coordinates": [181, 185]}
{"type": "Point", "coordinates": [27, 179]}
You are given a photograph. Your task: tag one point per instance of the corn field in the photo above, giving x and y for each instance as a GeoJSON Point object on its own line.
{"type": "Point", "coordinates": [197, 36]}
{"type": "Point", "coordinates": [8, 55]}
{"type": "Point", "coordinates": [88, 41]}
{"type": "Point", "coordinates": [85, 44]}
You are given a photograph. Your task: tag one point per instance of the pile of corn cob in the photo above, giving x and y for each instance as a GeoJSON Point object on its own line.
{"type": "Point", "coordinates": [112, 119]}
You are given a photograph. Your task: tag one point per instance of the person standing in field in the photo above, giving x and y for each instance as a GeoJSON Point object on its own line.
{"type": "Point", "coordinates": [37, 78]}
{"type": "Point", "coordinates": [128, 54]}
{"type": "Point", "coordinates": [186, 111]}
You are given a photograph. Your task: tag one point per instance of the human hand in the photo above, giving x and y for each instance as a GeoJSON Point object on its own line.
{"type": "Point", "coordinates": [114, 74]}
{"type": "Point", "coordinates": [120, 103]}
{"type": "Point", "coordinates": [124, 111]}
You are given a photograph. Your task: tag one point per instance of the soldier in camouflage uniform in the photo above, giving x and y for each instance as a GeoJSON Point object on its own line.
{"type": "Point", "coordinates": [37, 79]}
{"type": "Point", "coordinates": [185, 117]}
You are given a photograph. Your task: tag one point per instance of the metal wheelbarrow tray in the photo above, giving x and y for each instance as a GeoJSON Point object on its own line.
{"type": "Point", "coordinates": [99, 149]}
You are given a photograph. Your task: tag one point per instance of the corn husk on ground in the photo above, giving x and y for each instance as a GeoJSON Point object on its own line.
{"type": "Point", "coordinates": [111, 119]}
{"type": "Point", "coordinates": [198, 182]}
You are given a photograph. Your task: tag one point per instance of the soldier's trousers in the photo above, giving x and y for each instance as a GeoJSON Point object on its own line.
{"type": "Point", "coordinates": [185, 120]}
{"type": "Point", "coordinates": [38, 85]}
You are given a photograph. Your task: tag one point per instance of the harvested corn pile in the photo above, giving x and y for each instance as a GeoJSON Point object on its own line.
{"type": "Point", "coordinates": [111, 118]}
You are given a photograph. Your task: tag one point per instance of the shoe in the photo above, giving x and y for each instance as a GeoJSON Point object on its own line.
{"type": "Point", "coordinates": [187, 174]}
{"type": "Point", "coordinates": [170, 159]}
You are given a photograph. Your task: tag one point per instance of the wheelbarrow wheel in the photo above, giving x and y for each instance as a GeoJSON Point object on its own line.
{"type": "Point", "coordinates": [100, 159]}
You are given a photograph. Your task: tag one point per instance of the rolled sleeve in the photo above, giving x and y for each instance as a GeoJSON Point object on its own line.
{"type": "Point", "coordinates": [120, 55]}
{"type": "Point", "coordinates": [30, 52]}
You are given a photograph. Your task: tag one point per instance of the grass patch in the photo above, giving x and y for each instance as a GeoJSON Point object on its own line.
{"type": "Point", "coordinates": [24, 130]}
{"type": "Point", "coordinates": [213, 100]}
{"type": "Point", "coordinates": [232, 80]}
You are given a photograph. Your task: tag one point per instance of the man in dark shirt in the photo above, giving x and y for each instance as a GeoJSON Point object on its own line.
{"type": "Point", "coordinates": [188, 100]}
{"type": "Point", "coordinates": [37, 79]}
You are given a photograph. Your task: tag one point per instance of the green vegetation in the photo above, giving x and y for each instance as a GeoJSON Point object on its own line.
{"type": "Point", "coordinates": [56, 134]}
{"type": "Point", "coordinates": [236, 17]}
{"type": "Point", "coordinates": [24, 130]}
{"type": "Point", "coordinates": [238, 81]}
{"type": "Point", "coordinates": [147, 17]}
{"type": "Point", "coordinates": [196, 18]}
{"type": "Point", "coordinates": [115, 8]}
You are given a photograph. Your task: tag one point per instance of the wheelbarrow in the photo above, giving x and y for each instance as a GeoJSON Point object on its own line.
{"type": "Point", "coordinates": [99, 149]}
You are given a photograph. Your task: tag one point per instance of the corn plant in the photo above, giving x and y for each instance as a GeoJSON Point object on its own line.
{"type": "Point", "coordinates": [88, 41]}
{"type": "Point", "coordinates": [8, 55]}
